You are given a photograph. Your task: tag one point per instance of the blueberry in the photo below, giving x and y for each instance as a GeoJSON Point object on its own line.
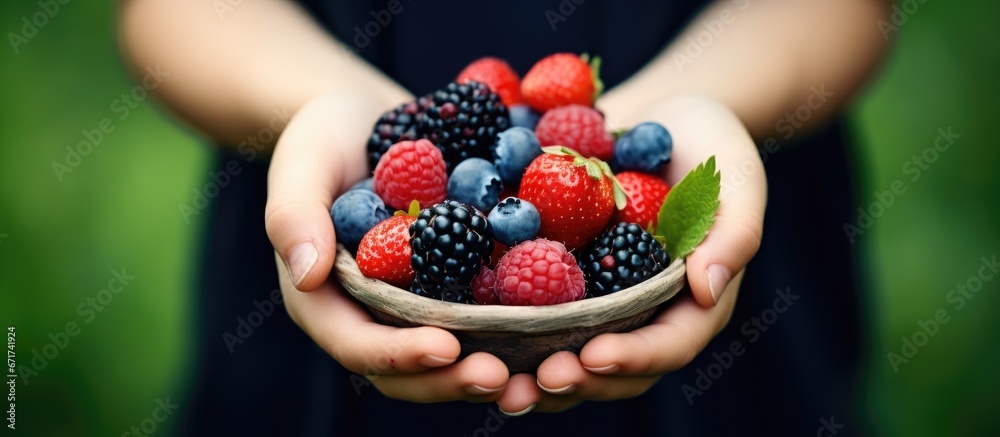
{"type": "Point", "coordinates": [516, 148]}
{"type": "Point", "coordinates": [354, 214]}
{"type": "Point", "coordinates": [645, 148]}
{"type": "Point", "coordinates": [523, 116]}
{"type": "Point", "coordinates": [475, 182]}
{"type": "Point", "coordinates": [367, 184]}
{"type": "Point", "coordinates": [514, 220]}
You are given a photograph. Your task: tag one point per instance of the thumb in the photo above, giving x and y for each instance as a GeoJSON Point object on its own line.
{"type": "Point", "coordinates": [734, 237]}
{"type": "Point", "coordinates": [307, 170]}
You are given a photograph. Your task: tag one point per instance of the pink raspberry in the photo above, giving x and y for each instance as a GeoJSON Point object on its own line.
{"type": "Point", "coordinates": [483, 287]}
{"type": "Point", "coordinates": [411, 170]}
{"type": "Point", "coordinates": [539, 272]}
{"type": "Point", "coordinates": [578, 127]}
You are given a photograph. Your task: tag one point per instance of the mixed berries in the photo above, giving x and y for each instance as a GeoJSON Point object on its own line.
{"type": "Point", "coordinates": [509, 191]}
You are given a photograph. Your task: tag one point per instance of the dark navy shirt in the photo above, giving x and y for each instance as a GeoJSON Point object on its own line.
{"type": "Point", "coordinates": [796, 327]}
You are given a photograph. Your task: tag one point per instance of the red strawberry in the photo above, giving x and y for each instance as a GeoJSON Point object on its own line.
{"type": "Point", "coordinates": [645, 197]}
{"type": "Point", "coordinates": [483, 287]}
{"type": "Point", "coordinates": [539, 272]}
{"type": "Point", "coordinates": [561, 79]}
{"type": "Point", "coordinates": [580, 128]}
{"type": "Point", "coordinates": [384, 252]}
{"type": "Point", "coordinates": [575, 196]}
{"type": "Point", "coordinates": [411, 170]}
{"type": "Point", "coordinates": [497, 75]}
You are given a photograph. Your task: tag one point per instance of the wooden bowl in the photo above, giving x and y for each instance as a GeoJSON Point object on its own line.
{"type": "Point", "coordinates": [521, 336]}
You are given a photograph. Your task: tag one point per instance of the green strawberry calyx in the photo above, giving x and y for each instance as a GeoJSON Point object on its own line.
{"type": "Point", "coordinates": [595, 169]}
{"type": "Point", "coordinates": [595, 72]}
{"type": "Point", "coordinates": [412, 212]}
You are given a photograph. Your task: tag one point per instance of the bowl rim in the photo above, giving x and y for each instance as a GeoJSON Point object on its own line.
{"type": "Point", "coordinates": [585, 313]}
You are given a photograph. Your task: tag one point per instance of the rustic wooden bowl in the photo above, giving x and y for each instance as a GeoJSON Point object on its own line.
{"type": "Point", "coordinates": [521, 336]}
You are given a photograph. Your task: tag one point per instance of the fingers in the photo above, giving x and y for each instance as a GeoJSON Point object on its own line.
{"type": "Point", "coordinates": [670, 342]}
{"type": "Point", "coordinates": [480, 377]}
{"type": "Point", "coordinates": [564, 374]}
{"type": "Point", "coordinates": [312, 161]}
{"type": "Point", "coordinates": [702, 128]}
{"type": "Point", "coordinates": [731, 242]}
{"type": "Point", "coordinates": [343, 329]}
{"type": "Point", "coordinates": [521, 395]}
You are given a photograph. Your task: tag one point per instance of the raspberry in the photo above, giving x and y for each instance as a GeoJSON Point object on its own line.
{"type": "Point", "coordinates": [578, 127]}
{"type": "Point", "coordinates": [539, 272]}
{"type": "Point", "coordinates": [623, 256]}
{"type": "Point", "coordinates": [411, 170]}
{"type": "Point", "coordinates": [450, 242]}
{"type": "Point", "coordinates": [483, 290]}
{"type": "Point", "coordinates": [384, 252]}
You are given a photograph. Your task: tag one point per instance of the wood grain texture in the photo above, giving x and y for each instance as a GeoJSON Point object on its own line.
{"type": "Point", "coordinates": [521, 336]}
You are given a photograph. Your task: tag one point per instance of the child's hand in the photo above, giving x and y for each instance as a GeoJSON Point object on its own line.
{"type": "Point", "coordinates": [616, 366]}
{"type": "Point", "coordinates": [320, 153]}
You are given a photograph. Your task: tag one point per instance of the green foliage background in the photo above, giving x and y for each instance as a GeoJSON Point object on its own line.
{"type": "Point", "coordinates": [59, 241]}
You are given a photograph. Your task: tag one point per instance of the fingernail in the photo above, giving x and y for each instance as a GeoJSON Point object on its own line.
{"type": "Point", "coordinates": [606, 370]}
{"type": "Point", "coordinates": [557, 391]}
{"type": "Point", "coordinates": [718, 279]}
{"type": "Point", "coordinates": [434, 361]}
{"type": "Point", "coordinates": [301, 260]}
{"type": "Point", "coordinates": [518, 413]}
{"type": "Point", "coordinates": [479, 390]}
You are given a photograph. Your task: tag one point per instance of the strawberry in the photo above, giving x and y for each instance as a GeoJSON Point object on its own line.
{"type": "Point", "coordinates": [497, 75]}
{"type": "Point", "coordinates": [384, 253]}
{"type": "Point", "coordinates": [578, 127]}
{"type": "Point", "coordinates": [562, 79]}
{"type": "Point", "coordinates": [645, 197]}
{"type": "Point", "coordinates": [575, 196]}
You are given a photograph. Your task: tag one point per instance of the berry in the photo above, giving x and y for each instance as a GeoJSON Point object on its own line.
{"type": "Point", "coordinates": [516, 148]}
{"type": "Point", "coordinates": [522, 115]}
{"type": "Point", "coordinates": [450, 242]}
{"type": "Point", "coordinates": [496, 74]}
{"type": "Point", "coordinates": [539, 272]}
{"type": "Point", "coordinates": [645, 197]}
{"type": "Point", "coordinates": [514, 220]}
{"type": "Point", "coordinates": [475, 182]}
{"type": "Point", "coordinates": [645, 148]}
{"type": "Point", "coordinates": [411, 170]}
{"type": "Point", "coordinates": [578, 127]}
{"type": "Point", "coordinates": [384, 253]}
{"type": "Point", "coordinates": [366, 184]}
{"type": "Point", "coordinates": [463, 120]}
{"type": "Point", "coordinates": [483, 290]}
{"type": "Point", "coordinates": [623, 256]}
{"type": "Point", "coordinates": [559, 80]}
{"type": "Point", "coordinates": [575, 197]}
{"type": "Point", "coordinates": [397, 125]}
{"type": "Point", "coordinates": [354, 214]}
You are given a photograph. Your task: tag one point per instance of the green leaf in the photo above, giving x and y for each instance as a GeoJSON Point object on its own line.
{"type": "Point", "coordinates": [689, 209]}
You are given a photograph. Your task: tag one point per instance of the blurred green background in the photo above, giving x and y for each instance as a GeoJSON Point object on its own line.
{"type": "Point", "coordinates": [118, 209]}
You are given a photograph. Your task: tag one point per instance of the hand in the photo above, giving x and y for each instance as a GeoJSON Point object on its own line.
{"type": "Point", "coordinates": [618, 366]}
{"type": "Point", "coordinates": [318, 155]}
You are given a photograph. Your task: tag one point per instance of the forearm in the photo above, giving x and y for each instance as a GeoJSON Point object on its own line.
{"type": "Point", "coordinates": [764, 60]}
{"type": "Point", "coordinates": [230, 74]}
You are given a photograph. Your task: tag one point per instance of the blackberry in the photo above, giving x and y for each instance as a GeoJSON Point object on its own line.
{"type": "Point", "coordinates": [463, 120]}
{"type": "Point", "coordinates": [623, 256]}
{"type": "Point", "coordinates": [450, 242]}
{"type": "Point", "coordinates": [397, 125]}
